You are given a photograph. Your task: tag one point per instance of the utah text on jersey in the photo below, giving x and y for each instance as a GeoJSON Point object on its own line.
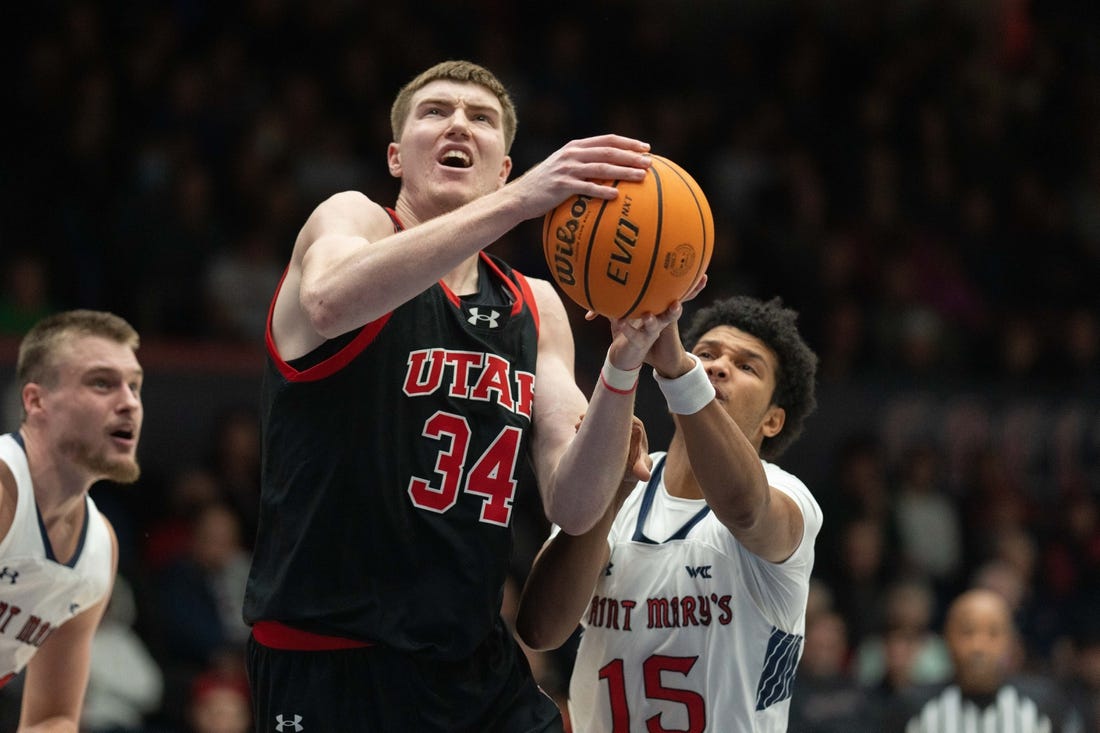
{"type": "Point", "coordinates": [471, 375]}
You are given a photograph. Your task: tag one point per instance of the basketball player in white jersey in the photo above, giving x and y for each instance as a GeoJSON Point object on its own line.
{"type": "Point", "coordinates": [80, 385]}
{"type": "Point", "coordinates": [692, 590]}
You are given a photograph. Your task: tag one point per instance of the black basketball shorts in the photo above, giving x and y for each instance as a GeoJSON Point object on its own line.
{"type": "Point", "coordinates": [377, 689]}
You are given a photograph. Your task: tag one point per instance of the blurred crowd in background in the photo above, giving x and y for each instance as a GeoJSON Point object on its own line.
{"type": "Point", "coordinates": [919, 178]}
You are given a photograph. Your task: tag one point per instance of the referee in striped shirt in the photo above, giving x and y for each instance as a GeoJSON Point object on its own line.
{"type": "Point", "coordinates": [982, 698]}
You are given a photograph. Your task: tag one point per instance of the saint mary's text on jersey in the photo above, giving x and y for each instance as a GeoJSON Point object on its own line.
{"type": "Point", "coordinates": [661, 613]}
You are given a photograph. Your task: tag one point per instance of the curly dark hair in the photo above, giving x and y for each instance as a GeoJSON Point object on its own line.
{"type": "Point", "coordinates": [775, 325]}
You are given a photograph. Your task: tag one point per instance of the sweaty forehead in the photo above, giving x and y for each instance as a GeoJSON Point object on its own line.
{"type": "Point", "coordinates": [457, 93]}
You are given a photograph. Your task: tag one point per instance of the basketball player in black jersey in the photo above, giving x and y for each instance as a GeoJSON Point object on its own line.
{"type": "Point", "coordinates": [408, 374]}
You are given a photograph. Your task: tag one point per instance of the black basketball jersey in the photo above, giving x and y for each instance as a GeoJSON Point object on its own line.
{"type": "Point", "coordinates": [390, 467]}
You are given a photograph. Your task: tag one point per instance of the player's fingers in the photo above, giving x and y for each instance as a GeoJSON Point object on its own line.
{"type": "Point", "coordinates": [611, 140]}
{"type": "Point", "coordinates": [673, 313]}
{"type": "Point", "coordinates": [696, 289]}
{"type": "Point", "coordinates": [607, 192]}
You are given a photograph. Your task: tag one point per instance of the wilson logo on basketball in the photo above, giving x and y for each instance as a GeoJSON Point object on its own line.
{"type": "Point", "coordinates": [562, 260]}
{"type": "Point", "coordinates": [636, 253]}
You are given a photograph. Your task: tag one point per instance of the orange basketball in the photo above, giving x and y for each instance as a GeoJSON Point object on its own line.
{"type": "Point", "coordinates": [636, 253]}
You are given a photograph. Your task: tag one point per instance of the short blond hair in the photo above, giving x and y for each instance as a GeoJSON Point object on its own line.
{"type": "Point", "coordinates": [465, 72]}
{"type": "Point", "coordinates": [37, 363]}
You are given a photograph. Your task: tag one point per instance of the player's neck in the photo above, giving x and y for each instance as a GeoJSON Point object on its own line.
{"type": "Point", "coordinates": [59, 485]}
{"type": "Point", "coordinates": [680, 480]}
{"type": "Point", "coordinates": [463, 279]}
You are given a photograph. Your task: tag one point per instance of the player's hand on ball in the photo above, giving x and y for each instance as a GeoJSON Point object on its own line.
{"type": "Point", "coordinates": [636, 253]}
{"type": "Point", "coordinates": [635, 339]}
{"type": "Point", "coordinates": [632, 338]}
{"type": "Point", "coordinates": [695, 289]}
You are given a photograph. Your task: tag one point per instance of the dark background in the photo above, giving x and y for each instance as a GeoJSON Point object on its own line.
{"type": "Point", "coordinates": [920, 180]}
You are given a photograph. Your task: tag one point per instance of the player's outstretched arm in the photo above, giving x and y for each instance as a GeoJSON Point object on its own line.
{"type": "Point", "coordinates": [350, 268]}
{"type": "Point", "coordinates": [726, 464]}
{"type": "Point", "coordinates": [764, 520]}
{"type": "Point", "coordinates": [560, 583]}
{"type": "Point", "coordinates": [561, 579]}
{"type": "Point", "coordinates": [579, 470]}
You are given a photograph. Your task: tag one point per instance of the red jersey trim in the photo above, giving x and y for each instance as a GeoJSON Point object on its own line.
{"type": "Point", "coordinates": [517, 296]}
{"type": "Point", "coordinates": [529, 296]}
{"type": "Point", "coordinates": [367, 333]}
{"type": "Point", "coordinates": [332, 364]}
{"type": "Point", "coordinates": [275, 635]}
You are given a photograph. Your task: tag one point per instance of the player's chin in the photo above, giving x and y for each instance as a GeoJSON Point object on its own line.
{"type": "Point", "coordinates": [451, 194]}
{"type": "Point", "coordinates": [124, 471]}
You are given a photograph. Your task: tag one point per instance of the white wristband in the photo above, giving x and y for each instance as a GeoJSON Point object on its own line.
{"type": "Point", "coordinates": [688, 393]}
{"type": "Point", "coordinates": [622, 381]}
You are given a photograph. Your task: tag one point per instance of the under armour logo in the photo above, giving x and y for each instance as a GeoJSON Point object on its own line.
{"type": "Point", "coordinates": [7, 572]}
{"type": "Point", "coordinates": [477, 317]}
{"type": "Point", "coordinates": [295, 724]}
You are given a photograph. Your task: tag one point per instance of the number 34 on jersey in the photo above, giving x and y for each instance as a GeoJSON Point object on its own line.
{"type": "Point", "coordinates": [481, 377]}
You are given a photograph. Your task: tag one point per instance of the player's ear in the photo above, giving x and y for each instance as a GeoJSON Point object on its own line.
{"type": "Point", "coordinates": [393, 159]}
{"type": "Point", "coordinates": [32, 398]}
{"type": "Point", "coordinates": [774, 420]}
{"type": "Point", "coordinates": [505, 170]}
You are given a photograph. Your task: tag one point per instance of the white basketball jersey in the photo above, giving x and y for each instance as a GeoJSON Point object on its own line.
{"type": "Point", "coordinates": [37, 593]}
{"type": "Point", "coordinates": [686, 630]}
